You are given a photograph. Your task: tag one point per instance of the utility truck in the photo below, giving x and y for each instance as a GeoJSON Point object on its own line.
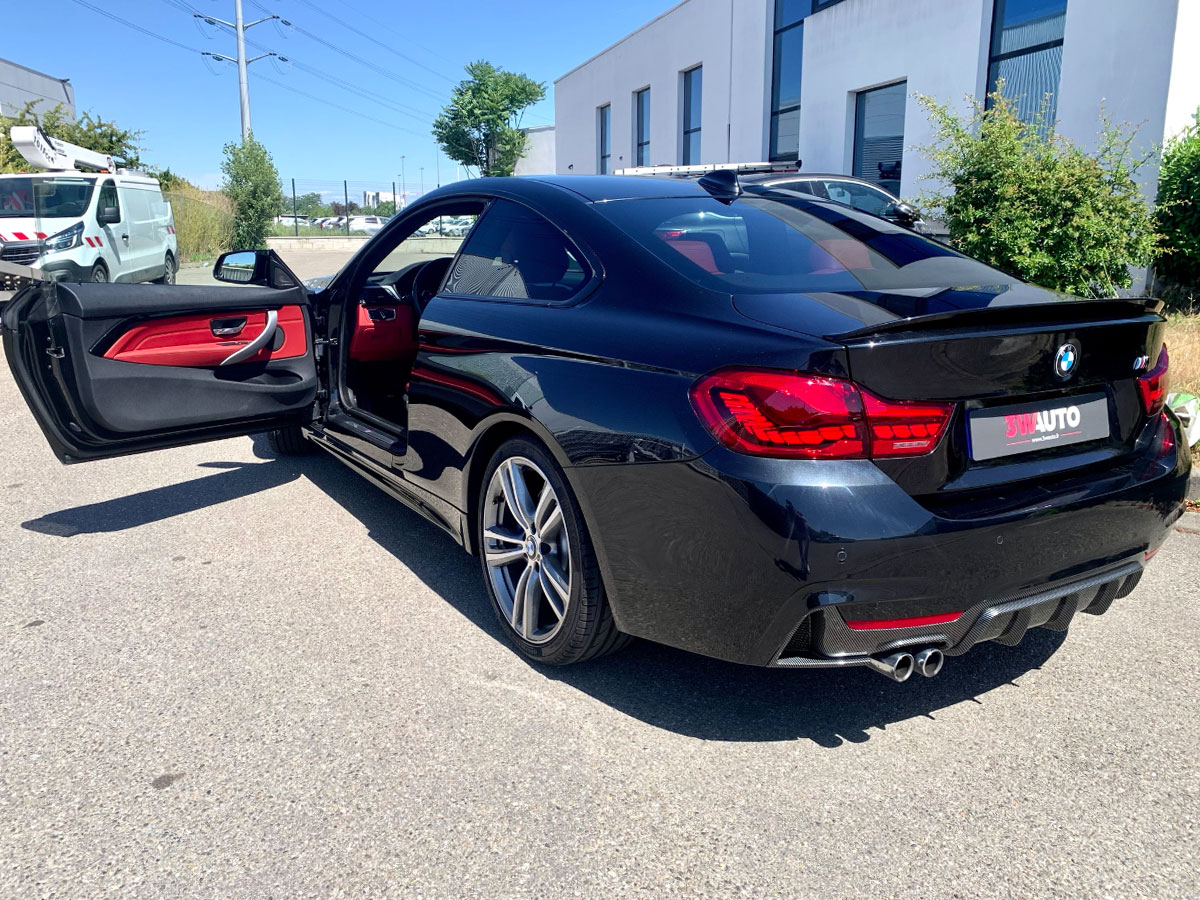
{"type": "Point", "coordinates": [79, 217]}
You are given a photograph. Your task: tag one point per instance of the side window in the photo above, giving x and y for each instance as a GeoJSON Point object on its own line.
{"type": "Point", "coordinates": [515, 254]}
{"type": "Point", "coordinates": [439, 237]}
{"type": "Point", "coordinates": [108, 198]}
{"type": "Point", "coordinates": [858, 196]}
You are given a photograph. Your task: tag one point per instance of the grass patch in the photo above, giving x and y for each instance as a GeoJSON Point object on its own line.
{"type": "Point", "coordinates": [278, 230]}
{"type": "Point", "coordinates": [1183, 343]}
{"type": "Point", "coordinates": [203, 222]}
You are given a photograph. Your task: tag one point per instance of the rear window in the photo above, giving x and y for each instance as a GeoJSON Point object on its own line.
{"type": "Point", "coordinates": [760, 245]}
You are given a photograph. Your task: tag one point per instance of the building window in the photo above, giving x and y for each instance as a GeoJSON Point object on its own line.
{"type": "Point", "coordinates": [693, 92]}
{"type": "Point", "coordinates": [641, 112]}
{"type": "Point", "coordinates": [818, 5]}
{"type": "Point", "coordinates": [879, 135]}
{"type": "Point", "coordinates": [1027, 46]}
{"type": "Point", "coordinates": [605, 113]}
{"type": "Point", "coordinates": [785, 79]}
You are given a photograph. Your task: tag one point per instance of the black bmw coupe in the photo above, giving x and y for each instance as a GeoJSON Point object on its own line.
{"type": "Point", "coordinates": [737, 420]}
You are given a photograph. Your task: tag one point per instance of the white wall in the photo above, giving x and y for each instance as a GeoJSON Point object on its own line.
{"type": "Point", "coordinates": [538, 158]}
{"type": "Point", "coordinates": [19, 85]}
{"type": "Point", "coordinates": [1183, 97]}
{"type": "Point", "coordinates": [939, 47]}
{"type": "Point", "coordinates": [694, 32]}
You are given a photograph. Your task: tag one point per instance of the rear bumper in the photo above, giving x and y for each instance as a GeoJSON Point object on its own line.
{"type": "Point", "coordinates": [734, 557]}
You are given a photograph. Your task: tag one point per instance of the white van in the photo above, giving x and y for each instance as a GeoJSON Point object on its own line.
{"type": "Point", "coordinates": [84, 226]}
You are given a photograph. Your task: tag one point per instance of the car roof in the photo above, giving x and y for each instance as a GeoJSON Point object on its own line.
{"type": "Point", "coordinates": [592, 188]}
{"type": "Point", "coordinates": [781, 177]}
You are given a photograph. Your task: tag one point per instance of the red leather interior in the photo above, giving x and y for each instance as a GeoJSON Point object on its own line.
{"type": "Point", "coordinates": [698, 252]}
{"type": "Point", "coordinates": [850, 254]}
{"type": "Point", "coordinates": [188, 340]}
{"type": "Point", "coordinates": [384, 340]}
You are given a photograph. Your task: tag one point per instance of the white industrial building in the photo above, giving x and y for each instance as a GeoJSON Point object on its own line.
{"type": "Point", "coordinates": [831, 82]}
{"type": "Point", "coordinates": [20, 85]}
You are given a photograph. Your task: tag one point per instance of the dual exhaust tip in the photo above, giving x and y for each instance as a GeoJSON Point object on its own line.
{"type": "Point", "coordinates": [900, 666]}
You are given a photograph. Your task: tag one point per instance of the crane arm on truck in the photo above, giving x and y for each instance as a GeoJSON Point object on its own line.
{"type": "Point", "coordinates": [45, 152]}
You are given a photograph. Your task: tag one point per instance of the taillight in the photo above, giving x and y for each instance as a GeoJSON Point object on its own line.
{"type": "Point", "coordinates": [798, 416]}
{"type": "Point", "coordinates": [1154, 384]}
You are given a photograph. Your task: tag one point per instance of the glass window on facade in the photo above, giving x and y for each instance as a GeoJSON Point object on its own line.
{"type": "Point", "coordinates": [641, 113]}
{"type": "Point", "coordinates": [787, 64]}
{"type": "Point", "coordinates": [605, 140]}
{"type": "Point", "coordinates": [693, 94]}
{"type": "Point", "coordinates": [1027, 42]}
{"type": "Point", "coordinates": [879, 135]}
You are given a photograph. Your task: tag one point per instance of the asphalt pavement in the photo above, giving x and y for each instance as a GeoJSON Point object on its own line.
{"type": "Point", "coordinates": [224, 675]}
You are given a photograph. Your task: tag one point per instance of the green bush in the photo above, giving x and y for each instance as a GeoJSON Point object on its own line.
{"type": "Point", "coordinates": [1179, 211]}
{"type": "Point", "coordinates": [252, 183]}
{"type": "Point", "coordinates": [1029, 202]}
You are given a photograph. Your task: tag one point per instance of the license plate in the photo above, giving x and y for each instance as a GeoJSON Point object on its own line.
{"type": "Point", "coordinates": [1008, 430]}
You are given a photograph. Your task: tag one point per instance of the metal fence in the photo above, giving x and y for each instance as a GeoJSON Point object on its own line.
{"type": "Point", "coordinates": [315, 206]}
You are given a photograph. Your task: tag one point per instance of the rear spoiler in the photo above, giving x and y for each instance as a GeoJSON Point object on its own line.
{"type": "Point", "coordinates": [1067, 313]}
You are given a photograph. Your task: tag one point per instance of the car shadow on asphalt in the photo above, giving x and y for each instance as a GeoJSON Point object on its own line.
{"type": "Point", "coordinates": [683, 692]}
{"type": "Point", "coordinates": [666, 688]}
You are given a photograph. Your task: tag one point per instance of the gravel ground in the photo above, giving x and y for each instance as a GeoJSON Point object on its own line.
{"type": "Point", "coordinates": [223, 675]}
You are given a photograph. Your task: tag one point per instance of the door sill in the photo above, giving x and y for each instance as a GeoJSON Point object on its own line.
{"type": "Point", "coordinates": [383, 434]}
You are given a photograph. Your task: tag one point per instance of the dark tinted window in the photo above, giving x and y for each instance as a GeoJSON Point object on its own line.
{"type": "Point", "coordinates": [61, 197]}
{"type": "Point", "coordinates": [756, 245]}
{"type": "Point", "coordinates": [108, 198]}
{"type": "Point", "coordinates": [1027, 46]}
{"type": "Point", "coordinates": [642, 117]}
{"type": "Point", "coordinates": [515, 254]}
{"type": "Point", "coordinates": [693, 94]}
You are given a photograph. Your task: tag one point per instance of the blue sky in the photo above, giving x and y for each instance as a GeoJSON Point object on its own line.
{"type": "Point", "coordinates": [403, 58]}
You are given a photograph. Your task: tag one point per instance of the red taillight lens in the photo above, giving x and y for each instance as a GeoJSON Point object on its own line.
{"type": "Point", "coordinates": [1153, 386]}
{"type": "Point", "coordinates": [905, 429]}
{"type": "Point", "coordinates": [798, 416]}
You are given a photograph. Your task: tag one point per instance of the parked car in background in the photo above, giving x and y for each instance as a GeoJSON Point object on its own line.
{"type": "Point", "coordinates": [369, 224]}
{"type": "Point", "coordinates": [743, 421]}
{"type": "Point", "coordinates": [292, 221]}
{"type": "Point", "coordinates": [335, 223]}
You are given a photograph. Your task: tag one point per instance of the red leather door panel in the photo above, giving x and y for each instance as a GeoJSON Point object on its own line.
{"type": "Point", "coordinates": [188, 340]}
{"type": "Point", "coordinates": [384, 340]}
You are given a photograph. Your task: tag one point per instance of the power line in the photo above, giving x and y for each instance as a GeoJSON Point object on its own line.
{"type": "Point", "coordinates": [135, 26]}
{"type": "Point", "coordinates": [373, 40]}
{"type": "Point", "coordinates": [287, 87]}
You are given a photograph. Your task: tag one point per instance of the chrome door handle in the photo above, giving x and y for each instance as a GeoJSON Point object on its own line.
{"type": "Point", "coordinates": [227, 327]}
{"type": "Point", "coordinates": [268, 334]}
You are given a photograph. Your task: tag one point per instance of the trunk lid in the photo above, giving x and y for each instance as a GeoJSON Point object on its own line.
{"type": "Point", "coordinates": [992, 351]}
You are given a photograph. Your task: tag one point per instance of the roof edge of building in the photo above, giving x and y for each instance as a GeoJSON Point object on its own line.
{"type": "Point", "coordinates": [636, 31]}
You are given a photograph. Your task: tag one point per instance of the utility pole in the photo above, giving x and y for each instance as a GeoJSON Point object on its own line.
{"type": "Point", "coordinates": [403, 189]}
{"type": "Point", "coordinates": [437, 159]}
{"type": "Point", "coordinates": [422, 181]}
{"type": "Point", "coordinates": [239, 26]}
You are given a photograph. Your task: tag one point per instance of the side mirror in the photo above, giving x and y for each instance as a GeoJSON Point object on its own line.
{"type": "Point", "coordinates": [904, 213]}
{"type": "Point", "coordinates": [108, 215]}
{"type": "Point", "coordinates": [261, 267]}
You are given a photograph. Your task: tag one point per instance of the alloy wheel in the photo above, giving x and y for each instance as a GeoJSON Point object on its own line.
{"type": "Point", "coordinates": [527, 550]}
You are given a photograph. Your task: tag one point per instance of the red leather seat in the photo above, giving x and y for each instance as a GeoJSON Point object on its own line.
{"type": "Point", "coordinates": [384, 339]}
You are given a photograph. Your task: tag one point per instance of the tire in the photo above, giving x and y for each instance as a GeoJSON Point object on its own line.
{"type": "Point", "coordinates": [289, 442]}
{"type": "Point", "coordinates": [99, 273]}
{"type": "Point", "coordinates": [169, 270]}
{"type": "Point", "coordinates": [559, 546]}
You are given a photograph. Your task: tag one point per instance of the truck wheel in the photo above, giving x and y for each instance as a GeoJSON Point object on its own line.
{"type": "Point", "coordinates": [100, 272]}
{"type": "Point", "coordinates": [169, 269]}
{"type": "Point", "coordinates": [288, 442]}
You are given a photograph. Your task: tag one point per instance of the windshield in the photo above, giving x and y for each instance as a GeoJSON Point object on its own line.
{"type": "Point", "coordinates": [784, 245]}
{"type": "Point", "coordinates": [51, 197]}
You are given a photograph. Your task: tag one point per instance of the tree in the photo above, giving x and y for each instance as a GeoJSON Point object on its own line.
{"type": "Point", "coordinates": [1179, 208]}
{"type": "Point", "coordinates": [310, 204]}
{"type": "Point", "coordinates": [481, 126]}
{"type": "Point", "coordinates": [252, 183]}
{"type": "Point", "coordinates": [1028, 201]}
{"type": "Point", "coordinates": [88, 131]}
{"type": "Point", "coordinates": [341, 209]}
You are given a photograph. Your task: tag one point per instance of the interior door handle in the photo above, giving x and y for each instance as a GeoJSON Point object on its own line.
{"type": "Point", "coordinates": [227, 327]}
{"type": "Point", "coordinates": [263, 340]}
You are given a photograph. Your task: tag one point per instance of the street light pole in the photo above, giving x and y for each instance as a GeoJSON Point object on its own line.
{"type": "Point", "coordinates": [422, 181]}
{"type": "Point", "coordinates": [403, 190]}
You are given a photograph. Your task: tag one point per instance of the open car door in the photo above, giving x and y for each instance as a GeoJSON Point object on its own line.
{"type": "Point", "coordinates": [112, 369]}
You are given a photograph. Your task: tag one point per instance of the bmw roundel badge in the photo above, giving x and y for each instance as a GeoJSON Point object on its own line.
{"type": "Point", "coordinates": [1066, 360]}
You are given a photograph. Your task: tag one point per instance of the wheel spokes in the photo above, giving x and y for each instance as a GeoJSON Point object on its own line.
{"type": "Point", "coordinates": [516, 494]}
{"type": "Point", "coordinates": [504, 557]}
{"type": "Point", "coordinates": [555, 586]}
{"type": "Point", "coordinates": [519, 620]}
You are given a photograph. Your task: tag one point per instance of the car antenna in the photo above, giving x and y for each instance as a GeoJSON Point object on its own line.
{"type": "Point", "coordinates": [723, 184]}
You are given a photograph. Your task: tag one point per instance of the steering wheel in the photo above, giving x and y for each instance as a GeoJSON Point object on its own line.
{"type": "Point", "coordinates": [427, 281]}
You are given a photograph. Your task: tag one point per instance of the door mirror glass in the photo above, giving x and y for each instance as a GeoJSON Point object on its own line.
{"type": "Point", "coordinates": [903, 213]}
{"type": "Point", "coordinates": [108, 215]}
{"type": "Point", "coordinates": [238, 267]}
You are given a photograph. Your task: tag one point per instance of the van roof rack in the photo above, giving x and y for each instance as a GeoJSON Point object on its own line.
{"type": "Point", "coordinates": [751, 168]}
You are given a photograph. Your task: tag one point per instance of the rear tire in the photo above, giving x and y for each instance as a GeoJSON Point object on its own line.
{"type": "Point", "coordinates": [544, 545]}
{"type": "Point", "coordinates": [289, 442]}
{"type": "Point", "coordinates": [169, 270]}
{"type": "Point", "coordinates": [99, 273]}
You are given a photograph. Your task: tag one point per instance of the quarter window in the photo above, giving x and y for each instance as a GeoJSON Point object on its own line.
{"type": "Point", "coordinates": [515, 254]}
{"type": "Point", "coordinates": [693, 95]}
